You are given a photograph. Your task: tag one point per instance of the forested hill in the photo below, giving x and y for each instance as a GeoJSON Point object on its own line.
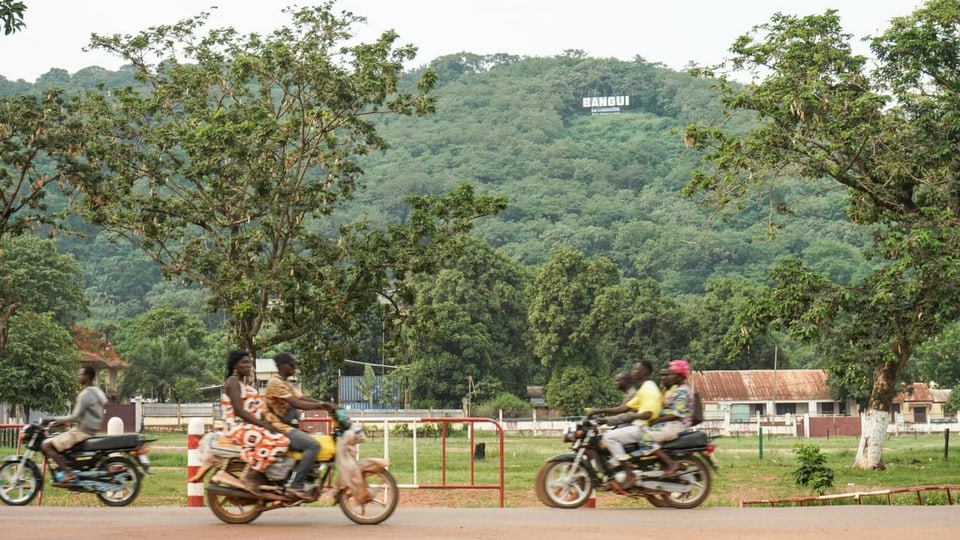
{"type": "Point", "coordinates": [605, 184]}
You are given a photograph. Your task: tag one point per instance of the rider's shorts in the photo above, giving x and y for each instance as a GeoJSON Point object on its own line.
{"type": "Point", "coordinates": [68, 439]}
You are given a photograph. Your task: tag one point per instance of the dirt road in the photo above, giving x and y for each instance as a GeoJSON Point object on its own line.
{"type": "Point", "coordinates": [804, 523]}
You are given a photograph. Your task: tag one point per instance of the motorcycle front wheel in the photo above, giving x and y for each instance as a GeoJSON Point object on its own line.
{"type": "Point", "coordinates": [123, 474]}
{"type": "Point", "coordinates": [564, 483]}
{"type": "Point", "coordinates": [235, 509]}
{"type": "Point", "coordinates": [383, 489]}
{"type": "Point", "coordinates": [20, 482]}
{"type": "Point", "coordinates": [695, 474]}
{"type": "Point", "coordinates": [539, 486]}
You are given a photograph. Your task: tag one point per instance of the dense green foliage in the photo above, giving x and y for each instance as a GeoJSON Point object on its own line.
{"type": "Point", "coordinates": [341, 234]}
{"type": "Point", "coordinates": [885, 134]}
{"type": "Point", "coordinates": [40, 299]}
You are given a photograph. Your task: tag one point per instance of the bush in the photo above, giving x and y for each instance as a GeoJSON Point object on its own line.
{"type": "Point", "coordinates": [511, 405]}
{"type": "Point", "coordinates": [812, 471]}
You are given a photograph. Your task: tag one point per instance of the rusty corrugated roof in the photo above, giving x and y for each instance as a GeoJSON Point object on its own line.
{"type": "Point", "coordinates": [758, 385]}
{"type": "Point", "coordinates": [915, 393]}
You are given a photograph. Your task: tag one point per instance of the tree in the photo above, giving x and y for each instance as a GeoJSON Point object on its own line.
{"type": "Point", "coordinates": [39, 137]}
{"type": "Point", "coordinates": [562, 296]}
{"type": "Point", "coordinates": [888, 136]}
{"type": "Point", "coordinates": [39, 366]}
{"type": "Point", "coordinates": [938, 360]}
{"type": "Point", "coordinates": [573, 388]}
{"type": "Point", "coordinates": [11, 16]}
{"type": "Point", "coordinates": [39, 142]}
{"type": "Point", "coordinates": [716, 329]}
{"type": "Point", "coordinates": [952, 406]}
{"type": "Point", "coordinates": [35, 278]}
{"type": "Point", "coordinates": [479, 315]}
{"type": "Point", "coordinates": [164, 347]}
{"type": "Point", "coordinates": [224, 168]}
{"type": "Point", "coordinates": [633, 321]}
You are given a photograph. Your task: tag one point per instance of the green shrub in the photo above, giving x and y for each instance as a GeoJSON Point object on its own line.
{"type": "Point", "coordinates": [511, 405]}
{"type": "Point", "coordinates": [813, 471]}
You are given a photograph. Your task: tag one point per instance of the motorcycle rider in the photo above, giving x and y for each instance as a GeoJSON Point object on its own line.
{"type": "Point", "coordinates": [283, 401]}
{"type": "Point", "coordinates": [244, 421]}
{"type": "Point", "coordinates": [637, 412]}
{"type": "Point", "coordinates": [86, 417]}
{"type": "Point", "coordinates": [674, 418]}
{"type": "Point", "coordinates": [624, 382]}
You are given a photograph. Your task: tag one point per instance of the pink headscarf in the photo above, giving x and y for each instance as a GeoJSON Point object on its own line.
{"type": "Point", "coordinates": [680, 367]}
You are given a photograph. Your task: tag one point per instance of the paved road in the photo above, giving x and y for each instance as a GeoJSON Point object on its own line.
{"type": "Point", "coordinates": [802, 523]}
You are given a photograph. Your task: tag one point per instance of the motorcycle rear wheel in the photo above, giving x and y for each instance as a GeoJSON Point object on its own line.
{"type": "Point", "coordinates": [696, 472]}
{"type": "Point", "coordinates": [383, 487]}
{"type": "Point", "coordinates": [233, 508]}
{"type": "Point", "coordinates": [564, 483]}
{"type": "Point", "coordinates": [123, 472]}
{"type": "Point", "coordinates": [658, 501]}
{"type": "Point", "coordinates": [19, 491]}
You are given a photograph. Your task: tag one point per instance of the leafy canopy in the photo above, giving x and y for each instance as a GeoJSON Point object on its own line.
{"type": "Point", "coordinates": [224, 167]}
{"type": "Point", "coordinates": [888, 136]}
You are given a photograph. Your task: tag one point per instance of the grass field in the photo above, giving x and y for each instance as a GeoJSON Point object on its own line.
{"type": "Point", "coordinates": [911, 460]}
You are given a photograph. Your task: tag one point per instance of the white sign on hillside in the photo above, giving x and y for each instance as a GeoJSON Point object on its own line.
{"type": "Point", "coordinates": [606, 104]}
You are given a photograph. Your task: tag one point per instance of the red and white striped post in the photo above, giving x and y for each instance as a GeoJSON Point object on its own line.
{"type": "Point", "coordinates": [195, 431]}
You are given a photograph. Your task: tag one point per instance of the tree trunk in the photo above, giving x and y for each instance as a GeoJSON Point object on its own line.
{"type": "Point", "coordinates": [873, 431]}
{"type": "Point", "coordinates": [874, 421]}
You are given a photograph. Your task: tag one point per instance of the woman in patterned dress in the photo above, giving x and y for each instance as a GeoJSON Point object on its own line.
{"type": "Point", "coordinates": [244, 422]}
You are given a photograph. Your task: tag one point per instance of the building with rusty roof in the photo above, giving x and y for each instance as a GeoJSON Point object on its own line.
{"type": "Point", "coordinates": [918, 403]}
{"type": "Point", "coordinates": [746, 394]}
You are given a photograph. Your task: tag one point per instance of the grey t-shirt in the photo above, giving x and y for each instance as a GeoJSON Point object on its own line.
{"type": "Point", "coordinates": [87, 414]}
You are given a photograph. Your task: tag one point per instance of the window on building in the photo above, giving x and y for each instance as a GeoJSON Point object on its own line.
{"type": "Point", "coordinates": [826, 408]}
{"type": "Point", "coordinates": [786, 408]}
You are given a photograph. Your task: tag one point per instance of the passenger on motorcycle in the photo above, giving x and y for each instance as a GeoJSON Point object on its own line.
{"type": "Point", "coordinates": [644, 405]}
{"type": "Point", "coordinates": [283, 401]}
{"type": "Point", "coordinates": [674, 418]}
{"type": "Point", "coordinates": [244, 421]}
{"type": "Point", "coordinates": [86, 417]}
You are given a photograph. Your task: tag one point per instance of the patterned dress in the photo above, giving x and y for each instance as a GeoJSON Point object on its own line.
{"type": "Point", "coordinates": [676, 401]}
{"type": "Point", "coordinates": [260, 446]}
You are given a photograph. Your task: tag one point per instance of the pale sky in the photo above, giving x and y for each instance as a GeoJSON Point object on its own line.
{"type": "Point", "coordinates": [667, 31]}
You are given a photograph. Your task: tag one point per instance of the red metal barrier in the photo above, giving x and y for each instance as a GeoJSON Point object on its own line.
{"type": "Point", "coordinates": [472, 485]}
{"type": "Point", "coordinates": [307, 422]}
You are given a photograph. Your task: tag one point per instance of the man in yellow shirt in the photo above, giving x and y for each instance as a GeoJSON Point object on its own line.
{"type": "Point", "coordinates": [283, 400]}
{"type": "Point", "coordinates": [644, 406]}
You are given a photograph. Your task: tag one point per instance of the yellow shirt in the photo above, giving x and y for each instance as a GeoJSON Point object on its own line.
{"type": "Point", "coordinates": [647, 399]}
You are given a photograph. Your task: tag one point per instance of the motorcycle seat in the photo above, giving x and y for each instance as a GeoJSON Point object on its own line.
{"type": "Point", "coordinates": [108, 442]}
{"type": "Point", "coordinates": [690, 439]}
{"type": "Point", "coordinates": [225, 446]}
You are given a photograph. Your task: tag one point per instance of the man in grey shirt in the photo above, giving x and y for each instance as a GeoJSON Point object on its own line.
{"type": "Point", "coordinates": [86, 417]}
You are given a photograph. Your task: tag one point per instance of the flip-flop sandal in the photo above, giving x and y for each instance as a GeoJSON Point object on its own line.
{"type": "Point", "coordinates": [615, 486]}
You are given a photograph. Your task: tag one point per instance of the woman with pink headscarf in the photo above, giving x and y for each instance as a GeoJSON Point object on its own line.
{"type": "Point", "coordinates": [675, 417]}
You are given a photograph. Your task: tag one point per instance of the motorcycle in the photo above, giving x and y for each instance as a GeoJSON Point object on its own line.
{"type": "Point", "coordinates": [364, 489]}
{"type": "Point", "coordinates": [111, 467]}
{"type": "Point", "coordinates": [568, 480]}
